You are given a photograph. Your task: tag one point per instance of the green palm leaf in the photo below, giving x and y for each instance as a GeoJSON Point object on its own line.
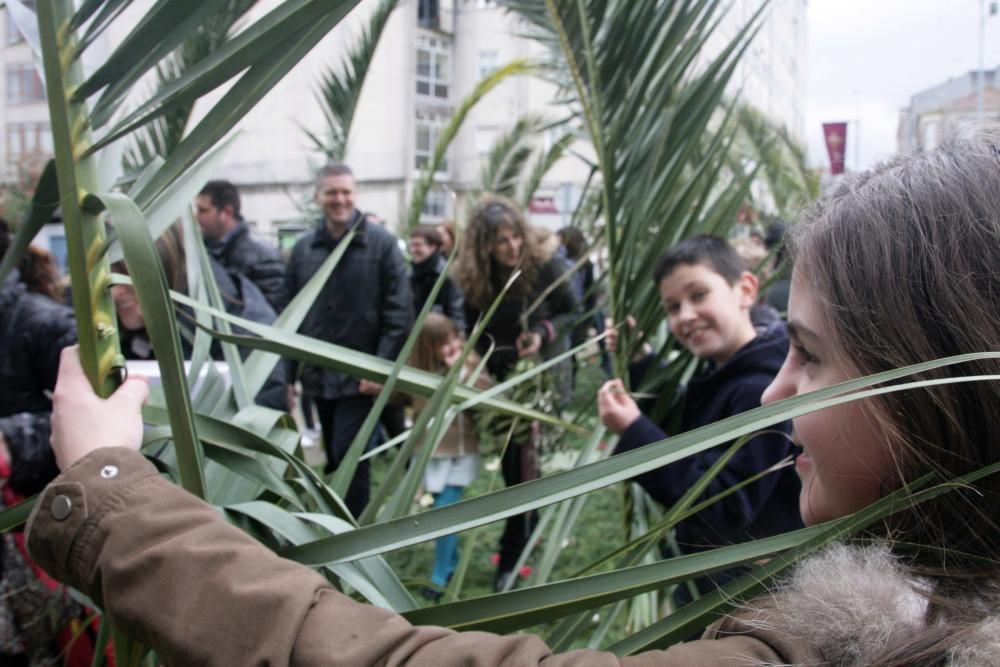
{"type": "Point", "coordinates": [488, 83]}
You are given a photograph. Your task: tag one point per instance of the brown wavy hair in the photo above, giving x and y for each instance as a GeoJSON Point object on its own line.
{"type": "Point", "coordinates": [40, 272]}
{"type": "Point", "coordinates": [478, 274]}
{"type": "Point", "coordinates": [903, 260]}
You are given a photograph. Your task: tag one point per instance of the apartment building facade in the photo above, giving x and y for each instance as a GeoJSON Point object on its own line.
{"type": "Point", "coordinates": [431, 55]}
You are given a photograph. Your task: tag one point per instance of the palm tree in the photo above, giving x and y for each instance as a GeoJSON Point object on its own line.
{"type": "Point", "coordinates": [163, 134]}
{"type": "Point", "coordinates": [789, 183]}
{"type": "Point", "coordinates": [518, 161]}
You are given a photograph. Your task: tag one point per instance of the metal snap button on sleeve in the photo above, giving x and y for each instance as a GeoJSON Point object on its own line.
{"type": "Point", "coordinates": [62, 507]}
{"type": "Point", "coordinates": [107, 472]}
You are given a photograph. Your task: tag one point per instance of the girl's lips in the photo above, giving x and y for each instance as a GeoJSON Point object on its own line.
{"type": "Point", "coordinates": [803, 460]}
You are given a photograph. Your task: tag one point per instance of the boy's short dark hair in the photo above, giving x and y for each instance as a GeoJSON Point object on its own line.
{"type": "Point", "coordinates": [222, 194]}
{"type": "Point", "coordinates": [429, 234]}
{"type": "Point", "coordinates": [711, 251]}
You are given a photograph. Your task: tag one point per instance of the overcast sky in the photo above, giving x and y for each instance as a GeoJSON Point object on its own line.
{"type": "Point", "coordinates": [867, 57]}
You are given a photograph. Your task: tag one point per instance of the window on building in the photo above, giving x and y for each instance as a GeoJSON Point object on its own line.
{"type": "Point", "coordinates": [12, 34]}
{"type": "Point", "coordinates": [428, 128]}
{"type": "Point", "coordinates": [429, 14]}
{"type": "Point", "coordinates": [436, 203]}
{"type": "Point", "coordinates": [28, 139]}
{"type": "Point", "coordinates": [23, 84]}
{"type": "Point", "coordinates": [489, 62]}
{"type": "Point", "coordinates": [432, 70]}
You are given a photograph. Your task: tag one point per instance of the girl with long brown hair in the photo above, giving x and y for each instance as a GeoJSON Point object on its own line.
{"type": "Point", "coordinates": [534, 317]}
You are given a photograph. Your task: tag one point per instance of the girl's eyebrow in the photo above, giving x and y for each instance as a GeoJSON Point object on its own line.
{"type": "Point", "coordinates": [799, 331]}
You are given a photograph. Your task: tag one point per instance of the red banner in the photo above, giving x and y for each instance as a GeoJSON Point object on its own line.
{"type": "Point", "coordinates": [835, 135]}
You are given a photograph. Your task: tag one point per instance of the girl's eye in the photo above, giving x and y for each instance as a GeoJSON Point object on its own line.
{"type": "Point", "coordinates": [699, 295]}
{"type": "Point", "coordinates": [805, 356]}
{"type": "Point", "coordinates": [672, 308]}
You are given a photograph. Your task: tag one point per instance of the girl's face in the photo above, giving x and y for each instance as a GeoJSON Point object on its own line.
{"type": "Point", "coordinates": [507, 246]}
{"type": "Point", "coordinates": [129, 312]}
{"type": "Point", "coordinates": [450, 351]}
{"type": "Point", "coordinates": [845, 464]}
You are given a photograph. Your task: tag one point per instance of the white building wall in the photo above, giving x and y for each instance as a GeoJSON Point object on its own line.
{"type": "Point", "coordinates": [272, 160]}
{"type": "Point", "coordinates": [772, 74]}
{"type": "Point", "coordinates": [381, 140]}
{"type": "Point", "coordinates": [25, 132]}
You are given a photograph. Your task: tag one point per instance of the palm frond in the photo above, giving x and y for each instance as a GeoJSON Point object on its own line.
{"type": "Point", "coordinates": [546, 160]}
{"type": "Point", "coordinates": [790, 183]}
{"type": "Point", "coordinates": [426, 181]}
{"type": "Point", "coordinates": [505, 162]}
{"type": "Point", "coordinates": [162, 135]}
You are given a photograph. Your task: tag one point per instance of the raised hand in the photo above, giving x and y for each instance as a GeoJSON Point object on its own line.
{"type": "Point", "coordinates": [83, 422]}
{"type": "Point", "coordinates": [615, 407]}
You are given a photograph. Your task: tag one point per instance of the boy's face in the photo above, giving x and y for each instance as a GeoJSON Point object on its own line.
{"type": "Point", "coordinates": [710, 317]}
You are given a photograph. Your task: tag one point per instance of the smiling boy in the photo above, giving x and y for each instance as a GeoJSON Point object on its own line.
{"type": "Point", "coordinates": [707, 295]}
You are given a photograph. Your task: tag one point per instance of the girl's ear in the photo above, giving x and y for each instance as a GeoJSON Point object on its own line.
{"type": "Point", "coordinates": [747, 286]}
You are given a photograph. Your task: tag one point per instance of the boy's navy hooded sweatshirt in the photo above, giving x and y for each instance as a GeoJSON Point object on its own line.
{"type": "Point", "coordinates": [768, 506]}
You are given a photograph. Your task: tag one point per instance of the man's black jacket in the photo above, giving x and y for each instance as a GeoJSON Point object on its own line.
{"type": "Point", "coordinates": [365, 305]}
{"type": "Point", "coordinates": [242, 254]}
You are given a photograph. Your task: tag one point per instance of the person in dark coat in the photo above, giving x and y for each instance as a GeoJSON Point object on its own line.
{"type": "Point", "coordinates": [365, 305]}
{"type": "Point", "coordinates": [576, 246]}
{"type": "Point", "coordinates": [33, 331]}
{"type": "Point", "coordinates": [777, 295]}
{"type": "Point", "coordinates": [707, 295]}
{"type": "Point", "coordinates": [34, 328]}
{"type": "Point", "coordinates": [229, 241]}
{"type": "Point", "coordinates": [428, 264]}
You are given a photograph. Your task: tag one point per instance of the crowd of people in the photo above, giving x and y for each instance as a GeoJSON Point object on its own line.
{"type": "Point", "coordinates": [893, 268]}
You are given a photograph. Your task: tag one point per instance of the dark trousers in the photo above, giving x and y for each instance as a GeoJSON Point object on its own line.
{"type": "Point", "coordinates": [341, 419]}
{"type": "Point", "coordinates": [306, 400]}
{"type": "Point", "coordinates": [393, 419]}
{"type": "Point", "coordinates": [518, 464]}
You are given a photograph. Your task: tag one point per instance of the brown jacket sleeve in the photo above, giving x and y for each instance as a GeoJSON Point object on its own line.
{"type": "Point", "coordinates": [170, 572]}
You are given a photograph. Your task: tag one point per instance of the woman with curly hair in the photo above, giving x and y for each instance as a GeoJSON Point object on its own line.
{"type": "Point", "coordinates": [534, 317]}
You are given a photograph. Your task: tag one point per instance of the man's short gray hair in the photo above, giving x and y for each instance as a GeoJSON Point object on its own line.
{"type": "Point", "coordinates": [332, 169]}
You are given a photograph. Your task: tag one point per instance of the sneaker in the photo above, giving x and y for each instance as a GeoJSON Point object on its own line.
{"type": "Point", "coordinates": [310, 436]}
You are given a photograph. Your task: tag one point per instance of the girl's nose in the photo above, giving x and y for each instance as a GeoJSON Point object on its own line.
{"type": "Point", "coordinates": [782, 386]}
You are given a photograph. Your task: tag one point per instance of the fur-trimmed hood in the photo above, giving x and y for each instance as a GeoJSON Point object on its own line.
{"type": "Point", "coordinates": [854, 604]}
